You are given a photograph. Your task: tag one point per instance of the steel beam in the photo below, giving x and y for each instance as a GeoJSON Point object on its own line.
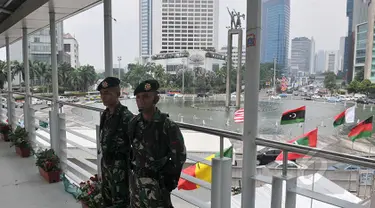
{"type": "Point", "coordinates": [250, 132]}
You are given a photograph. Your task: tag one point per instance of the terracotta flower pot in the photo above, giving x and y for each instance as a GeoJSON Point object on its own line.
{"type": "Point", "coordinates": [6, 138]}
{"type": "Point", "coordinates": [23, 152]}
{"type": "Point", "coordinates": [51, 177]}
{"type": "Point", "coordinates": [84, 205]}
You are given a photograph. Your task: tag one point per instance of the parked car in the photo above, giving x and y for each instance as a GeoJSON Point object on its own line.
{"type": "Point", "coordinates": [202, 95]}
{"type": "Point", "coordinates": [178, 95]}
{"type": "Point", "coordinates": [290, 165]}
{"type": "Point", "coordinates": [362, 101]}
{"type": "Point", "coordinates": [343, 166]}
{"type": "Point", "coordinates": [267, 155]}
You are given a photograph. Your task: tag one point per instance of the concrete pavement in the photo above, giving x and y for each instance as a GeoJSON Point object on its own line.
{"type": "Point", "coordinates": [22, 186]}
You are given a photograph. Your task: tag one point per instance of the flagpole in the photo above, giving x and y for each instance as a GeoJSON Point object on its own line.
{"type": "Point", "coordinates": [350, 176]}
{"type": "Point", "coordinates": [369, 153]}
{"type": "Point", "coordinates": [313, 184]}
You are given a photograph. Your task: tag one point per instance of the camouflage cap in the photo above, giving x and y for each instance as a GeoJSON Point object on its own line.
{"type": "Point", "coordinates": [147, 86]}
{"type": "Point", "coordinates": [108, 83]}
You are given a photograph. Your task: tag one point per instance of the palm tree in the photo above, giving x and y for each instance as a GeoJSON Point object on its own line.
{"type": "Point", "coordinates": [17, 69]}
{"type": "Point", "coordinates": [3, 73]}
{"type": "Point", "coordinates": [88, 76]}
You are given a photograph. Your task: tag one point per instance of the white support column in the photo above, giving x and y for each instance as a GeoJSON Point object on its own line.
{"type": "Point", "coordinates": [253, 18]}
{"type": "Point", "coordinates": [25, 55]}
{"type": "Point", "coordinates": [277, 192]}
{"type": "Point", "coordinates": [31, 130]}
{"type": "Point", "coordinates": [62, 151]}
{"type": "Point", "coordinates": [54, 119]}
{"type": "Point", "coordinates": [226, 182]}
{"type": "Point", "coordinates": [216, 183]}
{"type": "Point", "coordinates": [291, 196]}
{"type": "Point", "coordinates": [108, 53]}
{"type": "Point", "coordinates": [9, 80]}
{"type": "Point", "coordinates": [99, 157]}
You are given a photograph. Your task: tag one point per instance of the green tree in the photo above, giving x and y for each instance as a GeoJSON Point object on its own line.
{"type": "Point", "coordinates": [136, 74]}
{"type": "Point", "coordinates": [359, 75]}
{"type": "Point", "coordinates": [364, 86]}
{"type": "Point", "coordinates": [330, 81]}
{"type": "Point", "coordinates": [3, 73]}
{"type": "Point", "coordinates": [353, 87]}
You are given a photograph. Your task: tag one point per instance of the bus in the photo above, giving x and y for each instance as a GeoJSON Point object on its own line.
{"type": "Point", "coordinates": [173, 93]}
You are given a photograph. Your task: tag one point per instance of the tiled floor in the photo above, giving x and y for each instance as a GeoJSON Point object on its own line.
{"type": "Point", "coordinates": [22, 186]}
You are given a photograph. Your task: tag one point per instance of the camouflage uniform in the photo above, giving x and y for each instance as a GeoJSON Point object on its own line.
{"type": "Point", "coordinates": [158, 154]}
{"type": "Point", "coordinates": [115, 149]}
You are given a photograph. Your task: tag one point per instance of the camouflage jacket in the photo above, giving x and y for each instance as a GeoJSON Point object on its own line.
{"type": "Point", "coordinates": [114, 140]}
{"type": "Point", "coordinates": [157, 145]}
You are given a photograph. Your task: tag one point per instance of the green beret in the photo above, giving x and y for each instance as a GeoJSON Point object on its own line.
{"type": "Point", "coordinates": [147, 86]}
{"type": "Point", "coordinates": [108, 83]}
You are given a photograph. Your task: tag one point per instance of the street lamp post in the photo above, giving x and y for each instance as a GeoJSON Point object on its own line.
{"type": "Point", "coordinates": [274, 75]}
{"type": "Point", "coordinates": [183, 76]}
{"type": "Point", "coordinates": [119, 58]}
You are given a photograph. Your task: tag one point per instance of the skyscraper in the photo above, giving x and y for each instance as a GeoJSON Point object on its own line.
{"type": "Point", "coordinates": [275, 31]}
{"type": "Point", "coordinates": [341, 53]}
{"type": "Point", "coordinates": [303, 54]}
{"type": "Point", "coordinates": [175, 25]}
{"type": "Point", "coordinates": [331, 61]}
{"type": "Point", "coordinates": [145, 29]}
{"type": "Point", "coordinates": [320, 61]}
{"type": "Point", "coordinates": [356, 11]}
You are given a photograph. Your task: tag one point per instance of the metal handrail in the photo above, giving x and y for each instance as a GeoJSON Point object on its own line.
{"type": "Point", "coordinates": [316, 152]}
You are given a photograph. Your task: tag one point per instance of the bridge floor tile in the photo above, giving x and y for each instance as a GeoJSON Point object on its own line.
{"type": "Point", "coordinates": [22, 186]}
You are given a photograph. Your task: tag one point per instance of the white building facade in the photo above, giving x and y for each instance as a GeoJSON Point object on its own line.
{"type": "Point", "coordinates": [331, 61]}
{"type": "Point", "coordinates": [224, 51]}
{"type": "Point", "coordinates": [191, 59]}
{"type": "Point", "coordinates": [169, 26]}
{"type": "Point", "coordinates": [71, 47]}
{"type": "Point", "coordinates": [40, 48]}
{"type": "Point", "coordinates": [303, 55]}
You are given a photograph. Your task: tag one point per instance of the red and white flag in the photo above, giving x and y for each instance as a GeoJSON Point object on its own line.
{"type": "Point", "coordinates": [239, 116]}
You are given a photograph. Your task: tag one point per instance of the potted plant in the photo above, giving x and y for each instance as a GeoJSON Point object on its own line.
{"type": "Point", "coordinates": [49, 165]}
{"type": "Point", "coordinates": [19, 139]}
{"type": "Point", "coordinates": [5, 129]}
{"type": "Point", "coordinates": [89, 193]}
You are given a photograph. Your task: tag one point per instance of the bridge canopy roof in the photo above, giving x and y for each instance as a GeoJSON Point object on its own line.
{"type": "Point", "coordinates": [34, 15]}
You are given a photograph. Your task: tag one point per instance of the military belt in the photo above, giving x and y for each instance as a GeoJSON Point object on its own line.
{"type": "Point", "coordinates": [108, 157]}
{"type": "Point", "coordinates": [144, 172]}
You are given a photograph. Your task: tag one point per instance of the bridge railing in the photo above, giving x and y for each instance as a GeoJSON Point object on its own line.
{"type": "Point", "coordinates": [78, 153]}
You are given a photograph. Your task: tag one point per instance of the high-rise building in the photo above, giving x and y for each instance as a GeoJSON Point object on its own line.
{"type": "Point", "coordinates": [369, 69]}
{"type": "Point", "coordinates": [275, 31]}
{"type": "Point", "coordinates": [331, 61]}
{"type": "Point", "coordinates": [320, 61]}
{"type": "Point", "coordinates": [356, 11]}
{"type": "Point", "coordinates": [360, 48]}
{"type": "Point", "coordinates": [312, 56]}
{"type": "Point", "coordinates": [224, 51]}
{"type": "Point", "coordinates": [168, 26]}
{"type": "Point", "coordinates": [40, 47]}
{"type": "Point", "coordinates": [145, 29]}
{"type": "Point", "coordinates": [341, 53]}
{"type": "Point", "coordinates": [71, 47]}
{"type": "Point", "coordinates": [302, 57]}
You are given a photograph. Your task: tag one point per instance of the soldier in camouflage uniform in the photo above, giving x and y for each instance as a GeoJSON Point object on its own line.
{"type": "Point", "coordinates": [114, 145]}
{"type": "Point", "coordinates": [158, 151]}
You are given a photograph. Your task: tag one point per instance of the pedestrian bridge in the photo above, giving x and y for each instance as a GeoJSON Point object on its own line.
{"type": "Point", "coordinates": [21, 186]}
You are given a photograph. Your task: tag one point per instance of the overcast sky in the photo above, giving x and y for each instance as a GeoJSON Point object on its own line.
{"type": "Point", "coordinates": [325, 20]}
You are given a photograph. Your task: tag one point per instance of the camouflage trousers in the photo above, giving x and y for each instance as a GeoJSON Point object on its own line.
{"type": "Point", "coordinates": [148, 192]}
{"type": "Point", "coordinates": [115, 184]}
